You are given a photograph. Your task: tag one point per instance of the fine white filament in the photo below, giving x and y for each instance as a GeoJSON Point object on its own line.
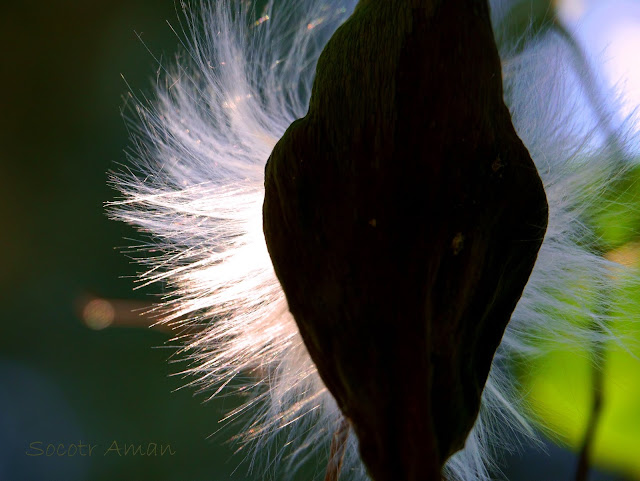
{"type": "Point", "coordinates": [195, 186]}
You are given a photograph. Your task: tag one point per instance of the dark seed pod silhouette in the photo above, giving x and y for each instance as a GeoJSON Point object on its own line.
{"type": "Point", "coordinates": [403, 216]}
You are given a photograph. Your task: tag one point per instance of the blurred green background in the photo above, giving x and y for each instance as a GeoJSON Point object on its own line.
{"type": "Point", "coordinates": [61, 131]}
{"type": "Point", "coordinates": [64, 382]}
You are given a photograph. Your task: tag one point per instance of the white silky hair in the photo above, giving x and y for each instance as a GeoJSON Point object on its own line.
{"type": "Point", "coordinates": [194, 184]}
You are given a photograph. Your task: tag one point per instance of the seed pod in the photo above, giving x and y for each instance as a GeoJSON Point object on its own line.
{"type": "Point", "coordinates": [403, 216]}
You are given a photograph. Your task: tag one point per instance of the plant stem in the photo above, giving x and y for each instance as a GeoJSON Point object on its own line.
{"type": "Point", "coordinates": [338, 448]}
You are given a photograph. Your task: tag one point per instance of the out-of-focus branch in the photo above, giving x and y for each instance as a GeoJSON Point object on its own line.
{"type": "Point", "coordinates": [616, 144]}
{"type": "Point", "coordinates": [591, 87]}
{"type": "Point", "coordinates": [584, 459]}
{"type": "Point", "coordinates": [627, 256]}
